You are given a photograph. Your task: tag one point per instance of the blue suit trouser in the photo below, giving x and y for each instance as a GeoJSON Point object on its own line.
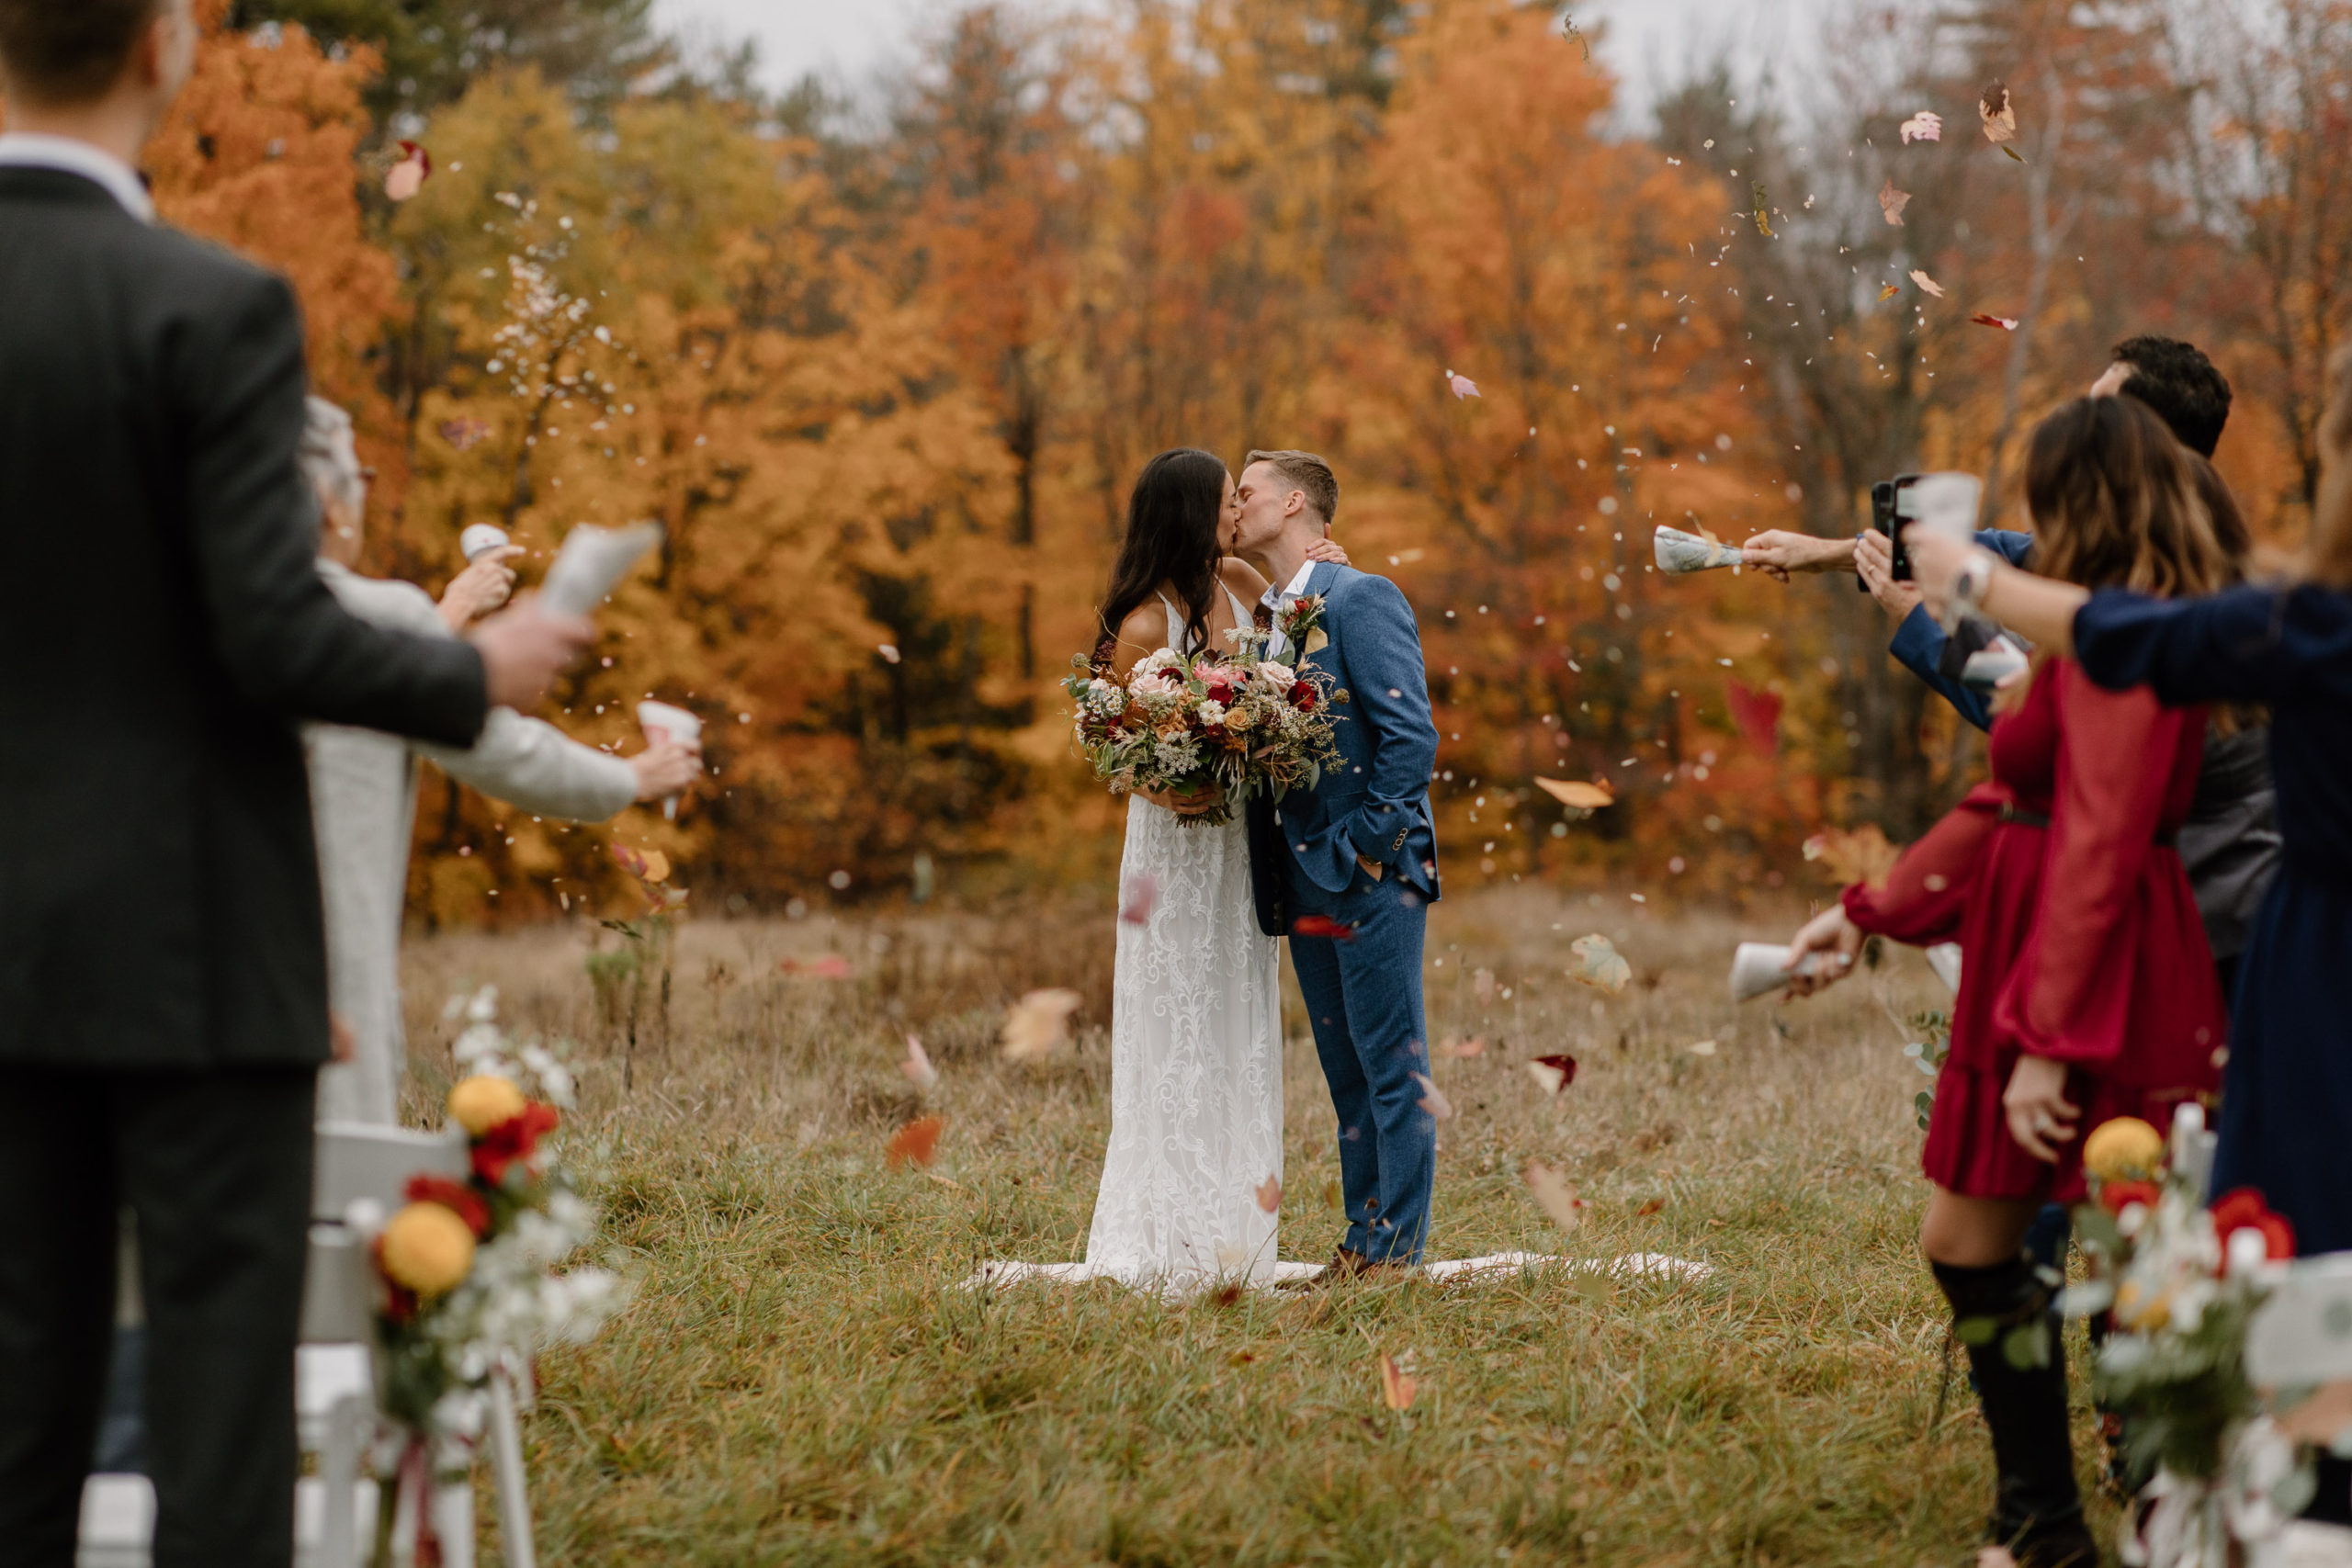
{"type": "Point", "coordinates": [1363, 998]}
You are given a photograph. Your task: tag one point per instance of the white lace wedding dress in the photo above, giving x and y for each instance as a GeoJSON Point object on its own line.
{"type": "Point", "coordinates": [1196, 1065]}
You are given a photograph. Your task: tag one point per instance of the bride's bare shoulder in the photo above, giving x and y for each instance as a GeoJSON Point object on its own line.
{"type": "Point", "coordinates": [1145, 631]}
{"type": "Point", "coordinates": [1243, 578]}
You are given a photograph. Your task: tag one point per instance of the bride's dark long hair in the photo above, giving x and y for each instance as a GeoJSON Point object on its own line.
{"type": "Point", "coordinates": [1172, 518]}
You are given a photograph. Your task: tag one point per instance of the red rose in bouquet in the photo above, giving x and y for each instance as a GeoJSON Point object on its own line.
{"type": "Point", "coordinates": [516, 1138]}
{"type": "Point", "coordinates": [1302, 697]}
{"type": "Point", "coordinates": [454, 1196]}
{"type": "Point", "coordinates": [2117, 1196]}
{"type": "Point", "coordinates": [2243, 1209]}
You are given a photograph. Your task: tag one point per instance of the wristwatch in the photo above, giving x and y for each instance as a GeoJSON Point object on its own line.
{"type": "Point", "coordinates": [1969, 583]}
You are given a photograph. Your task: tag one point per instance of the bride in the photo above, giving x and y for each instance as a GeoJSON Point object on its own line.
{"type": "Point", "coordinates": [1193, 1169]}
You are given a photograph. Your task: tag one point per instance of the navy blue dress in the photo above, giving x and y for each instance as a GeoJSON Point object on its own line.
{"type": "Point", "coordinates": [2287, 1092]}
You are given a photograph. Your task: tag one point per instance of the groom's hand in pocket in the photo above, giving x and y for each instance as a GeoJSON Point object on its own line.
{"type": "Point", "coordinates": [1371, 867]}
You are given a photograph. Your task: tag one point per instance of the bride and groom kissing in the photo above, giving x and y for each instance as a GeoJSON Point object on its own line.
{"type": "Point", "coordinates": [1192, 1178]}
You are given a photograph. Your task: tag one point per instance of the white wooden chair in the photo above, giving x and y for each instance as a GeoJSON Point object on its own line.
{"type": "Point", "coordinates": [2302, 1338]}
{"type": "Point", "coordinates": [335, 1384]}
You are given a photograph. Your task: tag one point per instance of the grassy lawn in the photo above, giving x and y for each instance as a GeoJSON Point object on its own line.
{"type": "Point", "coordinates": [802, 1381]}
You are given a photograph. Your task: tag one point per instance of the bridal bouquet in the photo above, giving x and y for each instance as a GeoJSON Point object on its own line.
{"type": "Point", "coordinates": [1191, 724]}
{"type": "Point", "coordinates": [2182, 1281]}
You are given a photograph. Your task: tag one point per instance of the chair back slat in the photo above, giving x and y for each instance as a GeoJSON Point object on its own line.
{"type": "Point", "coordinates": [359, 1159]}
{"type": "Point", "coordinates": [338, 1288]}
{"type": "Point", "coordinates": [2303, 1333]}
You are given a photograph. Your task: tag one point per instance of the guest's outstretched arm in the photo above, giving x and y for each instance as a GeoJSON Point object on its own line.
{"type": "Point", "coordinates": [2038, 609]}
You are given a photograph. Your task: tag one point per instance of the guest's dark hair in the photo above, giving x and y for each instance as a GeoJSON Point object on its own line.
{"type": "Point", "coordinates": [2116, 503]}
{"type": "Point", "coordinates": [61, 52]}
{"type": "Point", "coordinates": [2188, 392]}
{"type": "Point", "coordinates": [1172, 518]}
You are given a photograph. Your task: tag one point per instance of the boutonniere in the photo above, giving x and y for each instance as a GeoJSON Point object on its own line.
{"type": "Point", "coordinates": [1302, 624]}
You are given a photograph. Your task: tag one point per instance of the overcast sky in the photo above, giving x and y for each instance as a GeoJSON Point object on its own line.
{"type": "Point", "coordinates": [1647, 41]}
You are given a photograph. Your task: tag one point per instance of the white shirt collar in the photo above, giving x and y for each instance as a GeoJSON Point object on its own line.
{"type": "Point", "coordinates": [28, 150]}
{"type": "Point", "coordinates": [1292, 588]}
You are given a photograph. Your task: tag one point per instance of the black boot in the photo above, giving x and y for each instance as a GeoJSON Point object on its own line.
{"type": "Point", "coordinates": [2003, 1315]}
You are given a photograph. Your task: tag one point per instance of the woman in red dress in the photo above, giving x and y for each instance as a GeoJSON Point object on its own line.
{"type": "Point", "coordinates": [2087, 990]}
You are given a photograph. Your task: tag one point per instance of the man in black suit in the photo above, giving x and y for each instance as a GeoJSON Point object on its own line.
{"type": "Point", "coordinates": [163, 992]}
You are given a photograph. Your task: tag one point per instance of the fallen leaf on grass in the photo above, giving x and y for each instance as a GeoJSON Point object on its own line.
{"type": "Point", "coordinates": [1433, 1099]}
{"type": "Point", "coordinates": [2006, 323]}
{"type": "Point", "coordinates": [1555, 1194]}
{"type": "Point", "coordinates": [1925, 126]}
{"type": "Point", "coordinates": [1860, 855]}
{"type": "Point", "coordinates": [1598, 963]}
{"type": "Point", "coordinates": [1240, 1358]}
{"type": "Point", "coordinates": [1322, 925]}
{"type": "Point", "coordinates": [1269, 1195]}
{"type": "Point", "coordinates": [1576, 795]}
{"type": "Point", "coordinates": [1482, 986]}
{"type": "Point", "coordinates": [1460, 386]}
{"type": "Point", "coordinates": [1652, 1207]}
{"type": "Point", "coordinates": [1701, 1048]}
{"type": "Point", "coordinates": [1038, 1024]}
{"type": "Point", "coordinates": [1892, 202]}
{"type": "Point", "coordinates": [1142, 895]}
{"type": "Point", "coordinates": [1396, 1390]}
{"type": "Point", "coordinates": [917, 1143]}
{"type": "Point", "coordinates": [1928, 283]}
{"type": "Point", "coordinates": [1553, 1074]}
{"type": "Point", "coordinates": [918, 1067]}
{"type": "Point", "coordinates": [407, 176]}
{"type": "Point", "coordinates": [828, 966]}
{"type": "Point", "coordinates": [1226, 1296]}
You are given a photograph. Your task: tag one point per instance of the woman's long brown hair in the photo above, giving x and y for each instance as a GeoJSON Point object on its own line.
{"type": "Point", "coordinates": [2115, 503]}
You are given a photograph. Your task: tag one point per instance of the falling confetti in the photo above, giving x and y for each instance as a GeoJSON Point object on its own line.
{"type": "Point", "coordinates": [1576, 795]}
{"type": "Point", "coordinates": [1925, 126]}
{"type": "Point", "coordinates": [917, 1143]}
{"type": "Point", "coordinates": [1553, 1074]}
{"type": "Point", "coordinates": [1927, 283]}
{"type": "Point", "coordinates": [406, 177]}
{"type": "Point", "coordinates": [1433, 1099]}
{"type": "Point", "coordinates": [1700, 1048]}
{"type": "Point", "coordinates": [646, 866]}
{"type": "Point", "coordinates": [1482, 986]}
{"type": "Point", "coordinates": [1461, 1050]}
{"type": "Point", "coordinates": [1890, 291]}
{"type": "Point", "coordinates": [1323, 925]}
{"type": "Point", "coordinates": [1755, 713]}
{"type": "Point", "coordinates": [1142, 898]}
{"type": "Point", "coordinates": [1269, 1195]}
{"type": "Point", "coordinates": [918, 1067]}
{"type": "Point", "coordinates": [2006, 323]}
{"type": "Point", "coordinates": [1555, 1194]}
{"type": "Point", "coordinates": [1038, 1024]}
{"type": "Point", "coordinates": [1462, 386]}
{"type": "Point", "coordinates": [1892, 202]}
{"type": "Point", "coordinates": [889, 652]}
{"type": "Point", "coordinates": [1762, 207]}
{"type": "Point", "coordinates": [1999, 116]}
{"type": "Point", "coordinates": [1860, 855]}
{"type": "Point", "coordinates": [1396, 1390]}
{"type": "Point", "coordinates": [1570, 22]}
{"type": "Point", "coordinates": [1598, 963]}
{"type": "Point", "coordinates": [464, 434]}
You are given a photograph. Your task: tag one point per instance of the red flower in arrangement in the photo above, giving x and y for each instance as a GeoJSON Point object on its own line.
{"type": "Point", "coordinates": [516, 1138]}
{"type": "Point", "coordinates": [1302, 697]}
{"type": "Point", "coordinates": [400, 1301]}
{"type": "Point", "coordinates": [2117, 1196]}
{"type": "Point", "coordinates": [454, 1196]}
{"type": "Point", "coordinates": [2243, 1209]}
{"type": "Point", "coordinates": [1220, 691]}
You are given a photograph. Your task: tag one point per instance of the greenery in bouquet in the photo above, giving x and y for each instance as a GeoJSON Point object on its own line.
{"type": "Point", "coordinates": [1195, 723]}
{"type": "Point", "coordinates": [2181, 1283]}
{"type": "Point", "coordinates": [470, 1270]}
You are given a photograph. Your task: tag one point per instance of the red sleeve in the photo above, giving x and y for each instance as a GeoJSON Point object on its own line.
{"type": "Point", "coordinates": [1923, 897]}
{"type": "Point", "coordinates": [2069, 995]}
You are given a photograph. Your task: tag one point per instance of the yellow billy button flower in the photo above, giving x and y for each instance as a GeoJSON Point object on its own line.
{"type": "Point", "coordinates": [482, 1101]}
{"type": "Point", "coordinates": [426, 1249]}
{"type": "Point", "coordinates": [2123, 1150]}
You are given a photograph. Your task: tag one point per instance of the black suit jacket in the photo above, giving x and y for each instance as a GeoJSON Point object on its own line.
{"type": "Point", "coordinates": [162, 626]}
{"type": "Point", "coordinates": [1267, 856]}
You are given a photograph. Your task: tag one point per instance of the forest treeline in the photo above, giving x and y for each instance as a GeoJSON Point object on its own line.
{"type": "Point", "coordinates": [885, 369]}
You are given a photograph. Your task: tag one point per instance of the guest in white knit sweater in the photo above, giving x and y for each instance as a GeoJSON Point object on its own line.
{"type": "Point", "coordinates": [363, 786]}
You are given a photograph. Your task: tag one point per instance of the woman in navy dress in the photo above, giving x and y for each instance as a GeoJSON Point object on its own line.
{"type": "Point", "coordinates": [2286, 1088]}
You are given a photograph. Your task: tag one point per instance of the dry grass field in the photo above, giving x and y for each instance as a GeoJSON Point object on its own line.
{"type": "Point", "coordinates": [802, 1380]}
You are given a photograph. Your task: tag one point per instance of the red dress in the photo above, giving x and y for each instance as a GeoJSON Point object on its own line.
{"type": "Point", "coordinates": [2079, 941]}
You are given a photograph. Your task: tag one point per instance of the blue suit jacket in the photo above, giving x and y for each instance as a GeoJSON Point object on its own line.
{"type": "Point", "coordinates": [1375, 802]}
{"type": "Point", "coordinates": [1918, 642]}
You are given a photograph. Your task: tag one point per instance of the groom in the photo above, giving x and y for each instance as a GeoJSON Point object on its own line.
{"type": "Point", "coordinates": [1353, 859]}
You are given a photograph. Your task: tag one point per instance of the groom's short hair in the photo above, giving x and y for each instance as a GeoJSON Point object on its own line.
{"type": "Point", "coordinates": [62, 53]}
{"type": "Point", "coordinates": [1304, 471]}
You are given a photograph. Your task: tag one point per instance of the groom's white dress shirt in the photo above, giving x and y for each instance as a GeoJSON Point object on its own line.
{"type": "Point", "coordinates": [26, 150]}
{"type": "Point", "coordinates": [1280, 599]}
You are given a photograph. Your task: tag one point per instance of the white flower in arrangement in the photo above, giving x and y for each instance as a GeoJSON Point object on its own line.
{"type": "Point", "coordinates": [1278, 676]}
{"type": "Point", "coordinates": [1176, 758]}
{"type": "Point", "coordinates": [1154, 662]}
{"type": "Point", "coordinates": [1156, 689]}
{"type": "Point", "coordinates": [1211, 712]}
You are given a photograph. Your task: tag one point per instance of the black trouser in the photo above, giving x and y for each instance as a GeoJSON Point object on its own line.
{"type": "Point", "coordinates": [215, 1165]}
